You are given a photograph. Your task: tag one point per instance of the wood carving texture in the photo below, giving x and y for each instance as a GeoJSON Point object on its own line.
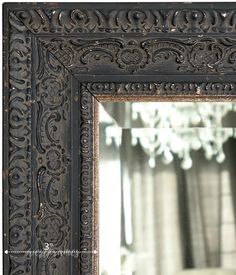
{"type": "Point", "coordinates": [147, 56]}
{"type": "Point", "coordinates": [39, 158]}
{"type": "Point", "coordinates": [20, 150]}
{"type": "Point", "coordinates": [129, 20]}
{"type": "Point", "coordinates": [48, 48]}
{"type": "Point", "coordinates": [53, 157]}
{"type": "Point", "coordinates": [161, 89]}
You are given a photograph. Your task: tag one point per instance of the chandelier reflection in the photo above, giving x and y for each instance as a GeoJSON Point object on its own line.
{"type": "Point", "coordinates": [176, 129]}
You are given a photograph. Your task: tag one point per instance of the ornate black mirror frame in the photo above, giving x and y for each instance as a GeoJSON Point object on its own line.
{"type": "Point", "coordinates": [60, 60]}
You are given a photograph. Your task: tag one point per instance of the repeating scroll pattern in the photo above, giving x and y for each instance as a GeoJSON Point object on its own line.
{"type": "Point", "coordinates": [53, 156]}
{"type": "Point", "coordinates": [158, 55]}
{"type": "Point", "coordinates": [167, 89]}
{"type": "Point", "coordinates": [139, 20]}
{"type": "Point", "coordinates": [20, 149]}
{"type": "Point", "coordinates": [86, 178]}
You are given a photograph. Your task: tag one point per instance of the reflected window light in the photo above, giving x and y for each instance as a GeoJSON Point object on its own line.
{"type": "Point", "coordinates": [109, 198]}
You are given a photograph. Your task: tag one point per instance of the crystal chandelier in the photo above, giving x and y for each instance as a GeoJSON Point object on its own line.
{"type": "Point", "coordinates": [179, 128]}
{"type": "Point", "coordinates": [170, 129]}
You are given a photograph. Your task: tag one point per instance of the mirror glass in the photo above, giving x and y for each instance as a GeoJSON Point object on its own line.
{"type": "Point", "coordinates": [167, 188]}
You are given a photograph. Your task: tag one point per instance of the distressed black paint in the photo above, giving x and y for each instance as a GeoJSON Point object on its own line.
{"type": "Point", "coordinates": [59, 59]}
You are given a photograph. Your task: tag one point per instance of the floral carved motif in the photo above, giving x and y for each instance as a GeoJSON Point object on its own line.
{"type": "Point", "coordinates": [53, 95]}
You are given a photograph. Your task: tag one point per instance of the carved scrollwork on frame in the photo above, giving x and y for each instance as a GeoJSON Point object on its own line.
{"type": "Point", "coordinates": [160, 55]}
{"type": "Point", "coordinates": [86, 178]}
{"type": "Point", "coordinates": [19, 154]}
{"type": "Point", "coordinates": [53, 154]}
{"type": "Point", "coordinates": [39, 155]}
{"type": "Point", "coordinates": [185, 52]}
{"type": "Point", "coordinates": [121, 20]}
{"type": "Point", "coordinates": [167, 89]}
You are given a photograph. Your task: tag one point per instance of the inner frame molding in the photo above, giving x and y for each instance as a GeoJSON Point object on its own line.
{"type": "Point", "coordinates": [59, 61]}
